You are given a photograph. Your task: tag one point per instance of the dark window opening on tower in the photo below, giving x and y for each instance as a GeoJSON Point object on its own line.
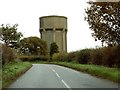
{"type": "Point", "coordinates": [49, 29]}
{"type": "Point", "coordinates": [59, 29]}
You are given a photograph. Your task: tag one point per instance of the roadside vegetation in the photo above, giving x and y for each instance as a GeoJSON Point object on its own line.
{"type": "Point", "coordinates": [105, 56]}
{"type": "Point", "coordinates": [11, 68]}
{"type": "Point", "coordinates": [11, 71]}
{"type": "Point", "coordinates": [15, 51]}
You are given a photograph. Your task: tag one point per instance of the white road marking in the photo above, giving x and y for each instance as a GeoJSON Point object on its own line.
{"type": "Point", "coordinates": [57, 75]}
{"type": "Point", "coordinates": [53, 70]}
{"type": "Point", "coordinates": [61, 79]}
{"type": "Point", "coordinates": [65, 84]}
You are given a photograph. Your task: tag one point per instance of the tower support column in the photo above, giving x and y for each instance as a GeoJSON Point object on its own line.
{"type": "Point", "coordinates": [53, 34]}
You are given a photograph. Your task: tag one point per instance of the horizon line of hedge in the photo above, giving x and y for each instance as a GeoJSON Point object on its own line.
{"type": "Point", "coordinates": [106, 56]}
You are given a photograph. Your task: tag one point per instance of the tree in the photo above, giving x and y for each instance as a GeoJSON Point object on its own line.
{"type": "Point", "coordinates": [9, 35]}
{"type": "Point", "coordinates": [33, 45]}
{"type": "Point", "coordinates": [53, 49]}
{"type": "Point", "coordinates": [104, 21]}
{"type": "Point", "coordinates": [7, 54]}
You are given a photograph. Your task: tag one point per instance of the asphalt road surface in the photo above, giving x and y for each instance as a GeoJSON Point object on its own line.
{"type": "Point", "coordinates": [54, 76]}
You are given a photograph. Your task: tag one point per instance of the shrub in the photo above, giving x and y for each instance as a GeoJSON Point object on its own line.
{"type": "Point", "coordinates": [96, 56]}
{"type": "Point", "coordinates": [71, 57]}
{"type": "Point", "coordinates": [60, 57]}
{"type": "Point", "coordinates": [8, 54]}
{"type": "Point", "coordinates": [111, 56]}
{"type": "Point", "coordinates": [84, 56]}
{"type": "Point", "coordinates": [65, 57]}
{"type": "Point", "coordinates": [55, 57]}
{"type": "Point", "coordinates": [108, 56]}
{"type": "Point", "coordinates": [33, 58]}
{"type": "Point", "coordinates": [117, 55]}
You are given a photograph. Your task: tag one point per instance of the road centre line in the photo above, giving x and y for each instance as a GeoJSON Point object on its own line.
{"type": "Point", "coordinates": [53, 70]}
{"type": "Point", "coordinates": [65, 84]}
{"type": "Point", "coordinates": [57, 75]}
{"type": "Point", "coordinates": [61, 79]}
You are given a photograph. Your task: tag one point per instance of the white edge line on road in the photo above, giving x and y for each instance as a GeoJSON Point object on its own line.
{"type": "Point", "coordinates": [57, 75]}
{"type": "Point", "coordinates": [65, 84]}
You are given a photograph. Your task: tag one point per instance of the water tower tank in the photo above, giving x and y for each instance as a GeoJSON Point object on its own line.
{"type": "Point", "coordinates": [54, 29]}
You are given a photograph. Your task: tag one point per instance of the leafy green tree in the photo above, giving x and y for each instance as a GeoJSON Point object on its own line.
{"type": "Point", "coordinates": [104, 21]}
{"type": "Point", "coordinates": [9, 35]}
{"type": "Point", "coordinates": [53, 49]}
{"type": "Point", "coordinates": [33, 45]}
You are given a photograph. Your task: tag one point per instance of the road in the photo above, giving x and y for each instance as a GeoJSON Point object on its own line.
{"type": "Point", "coordinates": [54, 76]}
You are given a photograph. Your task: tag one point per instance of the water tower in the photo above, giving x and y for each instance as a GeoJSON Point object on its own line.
{"type": "Point", "coordinates": [54, 29]}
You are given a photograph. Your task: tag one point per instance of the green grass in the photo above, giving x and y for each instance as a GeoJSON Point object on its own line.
{"type": "Point", "coordinates": [95, 70]}
{"type": "Point", "coordinates": [11, 71]}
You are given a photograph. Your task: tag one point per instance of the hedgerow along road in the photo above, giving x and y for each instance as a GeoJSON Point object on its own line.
{"type": "Point", "coordinates": [54, 76]}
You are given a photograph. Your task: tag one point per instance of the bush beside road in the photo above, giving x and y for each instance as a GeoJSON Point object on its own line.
{"type": "Point", "coordinates": [11, 71]}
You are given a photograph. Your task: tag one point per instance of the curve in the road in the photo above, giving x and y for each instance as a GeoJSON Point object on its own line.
{"type": "Point", "coordinates": [54, 76]}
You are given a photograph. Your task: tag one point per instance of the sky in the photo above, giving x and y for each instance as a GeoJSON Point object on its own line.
{"type": "Point", "coordinates": [26, 14]}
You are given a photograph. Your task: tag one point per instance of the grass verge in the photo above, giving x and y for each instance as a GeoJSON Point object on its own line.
{"type": "Point", "coordinates": [95, 70]}
{"type": "Point", "coordinates": [11, 71]}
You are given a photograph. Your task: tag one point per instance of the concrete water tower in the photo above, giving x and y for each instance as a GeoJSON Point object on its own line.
{"type": "Point", "coordinates": [54, 29]}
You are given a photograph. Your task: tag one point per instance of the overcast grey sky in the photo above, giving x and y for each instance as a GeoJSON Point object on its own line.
{"type": "Point", "coordinates": [26, 13]}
